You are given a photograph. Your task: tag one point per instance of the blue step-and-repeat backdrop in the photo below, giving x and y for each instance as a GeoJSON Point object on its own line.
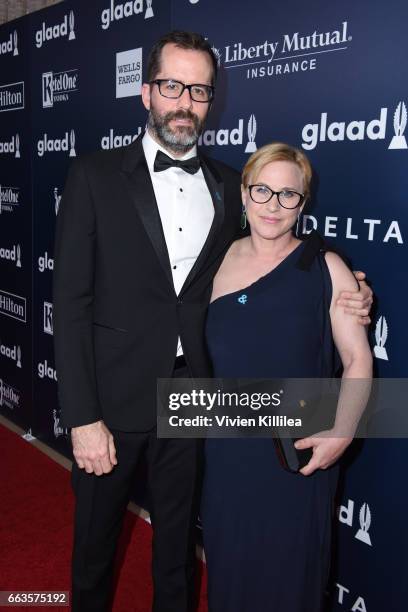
{"type": "Point", "coordinates": [329, 77]}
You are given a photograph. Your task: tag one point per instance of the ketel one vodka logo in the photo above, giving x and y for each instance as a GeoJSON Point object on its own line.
{"type": "Point", "coordinates": [48, 327]}
{"type": "Point", "coordinates": [57, 200]}
{"type": "Point", "coordinates": [11, 353]}
{"type": "Point", "coordinates": [12, 146]}
{"type": "Point", "coordinates": [59, 30]}
{"type": "Point", "coordinates": [57, 86]}
{"type": "Point", "coordinates": [381, 335]}
{"type": "Point", "coordinates": [52, 145]}
{"type": "Point", "coordinates": [10, 45]}
{"type": "Point", "coordinates": [9, 396]}
{"type": "Point", "coordinates": [13, 254]}
{"type": "Point", "coordinates": [9, 198]}
{"type": "Point", "coordinates": [118, 11]}
{"type": "Point", "coordinates": [58, 429]}
{"type": "Point", "coordinates": [232, 137]}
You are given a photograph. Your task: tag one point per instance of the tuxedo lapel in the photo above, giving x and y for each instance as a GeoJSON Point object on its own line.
{"type": "Point", "coordinates": [140, 188]}
{"type": "Point", "coordinates": [216, 188]}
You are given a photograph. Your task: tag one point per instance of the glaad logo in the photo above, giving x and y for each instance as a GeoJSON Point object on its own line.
{"type": "Point", "coordinates": [113, 141]}
{"type": "Point", "coordinates": [59, 30]}
{"type": "Point", "coordinates": [356, 606]}
{"type": "Point", "coordinates": [346, 515]}
{"type": "Point", "coordinates": [45, 262]}
{"type": "Point", "coordinates": [13, 254]}
{"type": "Point", "coordinates": [46, 371]}
{"type": "Point", "coordinates": [11, 353]}
{"type": "Point", "coordinates": [14, 306]}
{"type": "Point", "coordinates": [48, 329]}
{"type": "Point", "coordinates": [9, 199]}
{"type": "Point", "coordinates": [57, 86]}
{"type": "Point", "coordinates": [234, 137]}
{"type": "Point", "coordinates": [57, 200]}
{"type": "Point", "coordinates": [48, 145]}
{"type": "Point", "coordinates": [381, 335]}
{"type": "Point", "coordinates": [12, 96]}
{"type": "Point", "coordinates": [129, 73]}
{"type": "Point", "coordinates": [58, 429]}
{"type": "Point", "coordinates": [11, 45]}
{"type": "Point", "coordinates": [400, 123]}
{"type": "Point", "coordinates": [127, 9]}
{"type": "Point", "coordinates": [339, 131]}
{"type": "Point", "coordinates": [11, 147]}
{"type": "Point", "coordinates": [9, 396]}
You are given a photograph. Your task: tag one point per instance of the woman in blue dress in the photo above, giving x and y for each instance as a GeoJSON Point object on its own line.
{"type": "Point", "coordinates": [267, 530]}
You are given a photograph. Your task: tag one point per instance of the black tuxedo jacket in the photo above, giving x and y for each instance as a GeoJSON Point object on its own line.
{"type": "Point", "coordinates": [116, 315]}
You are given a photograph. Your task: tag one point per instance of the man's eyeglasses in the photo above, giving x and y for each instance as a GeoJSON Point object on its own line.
{"type": "Point", "coordinates": [174, 89]}
{"type": "Point", "coordinates": [287, 198]}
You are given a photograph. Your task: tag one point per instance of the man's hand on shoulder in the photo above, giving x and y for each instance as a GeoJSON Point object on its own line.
{"type": "Point", "coordinates": [94, 448]}
{"type": "Point", "coordinates": [359, 302]}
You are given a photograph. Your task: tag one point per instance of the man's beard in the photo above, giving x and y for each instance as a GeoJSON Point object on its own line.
{"type": "Point", "coordinates": [179, 139]}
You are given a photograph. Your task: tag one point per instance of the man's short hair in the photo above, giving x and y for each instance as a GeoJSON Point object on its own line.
{"type": "Point", "coordinates": [183, 40]}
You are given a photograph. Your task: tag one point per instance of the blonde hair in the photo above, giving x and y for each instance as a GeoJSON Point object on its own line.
{"type": "Point", "coordinates": [277, 151]}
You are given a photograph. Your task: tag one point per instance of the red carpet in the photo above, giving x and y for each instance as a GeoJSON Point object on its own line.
{"type": "Point", "coordinates": [36, 531]}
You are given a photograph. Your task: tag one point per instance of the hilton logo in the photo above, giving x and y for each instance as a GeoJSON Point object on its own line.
{"type": "Point", "coordinates": [234, 137]}
{"type": "Point", "coordinates": [14, 306]}
{"type": "Point", "coordinates": [12, 96]}
{"type": "Point", "coordinates": [59, 30]}
{"type": "Point", "coordinates": [10, 45]}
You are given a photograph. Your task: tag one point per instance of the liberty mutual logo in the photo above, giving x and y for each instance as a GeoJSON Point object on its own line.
{"type": "Point", "coordinates": [400, 123]}
{"type": "Point", "coordinates": [381, 335]}
{"type": "Point", "coordinates": [58, 429]}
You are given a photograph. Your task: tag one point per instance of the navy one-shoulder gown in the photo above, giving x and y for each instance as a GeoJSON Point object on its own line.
{"type": "Point", "coordinates": [267, 531]}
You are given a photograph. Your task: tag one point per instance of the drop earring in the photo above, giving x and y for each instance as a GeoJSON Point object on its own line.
{"type": "Point", "coordinates": [243, 218]}
{"type": "Point", "coordinates": [297, 226]}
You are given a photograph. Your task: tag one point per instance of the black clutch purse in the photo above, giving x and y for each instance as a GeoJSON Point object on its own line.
{"type": "Point", "coordinates": [291, 458]}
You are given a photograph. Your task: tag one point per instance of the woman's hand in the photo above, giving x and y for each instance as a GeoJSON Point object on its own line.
{"type": "Point", "coordinates": [326, 450]}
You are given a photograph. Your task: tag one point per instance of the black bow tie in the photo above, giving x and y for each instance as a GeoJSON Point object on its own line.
{"type": "Point", "coordinates": [163, 161]}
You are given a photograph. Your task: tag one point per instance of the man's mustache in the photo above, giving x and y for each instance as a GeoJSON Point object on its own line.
{"type": "Point", "coordinates": [181, 114]}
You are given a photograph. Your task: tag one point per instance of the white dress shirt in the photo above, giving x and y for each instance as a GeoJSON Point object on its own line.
{"type": "Point", "coordinates": [186, 212]}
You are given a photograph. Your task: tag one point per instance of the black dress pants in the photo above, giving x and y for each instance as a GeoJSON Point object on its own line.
{"type": "Point", "coordinates": [174, 482]}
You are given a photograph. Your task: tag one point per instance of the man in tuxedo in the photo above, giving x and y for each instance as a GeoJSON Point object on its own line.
{"type": "Point", "coordinates": [141, 231]}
